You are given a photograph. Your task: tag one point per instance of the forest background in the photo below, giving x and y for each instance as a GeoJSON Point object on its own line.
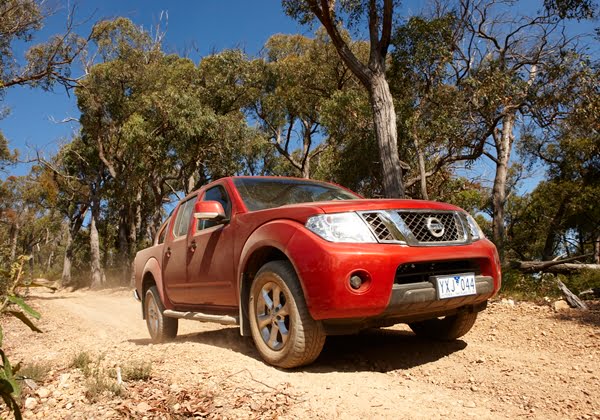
{"type": "Point", "coordinates": [492, 105]}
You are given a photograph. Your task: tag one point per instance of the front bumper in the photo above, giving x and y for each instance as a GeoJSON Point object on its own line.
{"type": "Point", "coordinates": [324, 269]}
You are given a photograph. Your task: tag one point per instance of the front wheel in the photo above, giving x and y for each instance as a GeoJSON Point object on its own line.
{"type": "Point", "coordinates": [282, 329]}
{"type": "Point", "coordinates": [160, 327]}
{"type": "Point", "coordinates": [447, 328]}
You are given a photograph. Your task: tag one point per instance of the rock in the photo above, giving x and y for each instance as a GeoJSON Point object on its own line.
{"type": "Point", "coordinates": [64, 378]}
{"type": "Point", "coordinates": [142, 407]}
{"type": "Point", "coordinates": [43, 392]}
{"type": "Point", "coordinates": [470, 404]}
{"type": "Point", "coordinates": [480, 360]}
{"type": "Point", "coordinates": [474, 388]}
{"type": "Point", "coordinates": [30, 383]}
{"type": "Point", "coordinates": [560, 305]}
{"type": "Point", "coordinates": [69, 406]}
{"type": "Point", "coordinates": [31, 403]}
{"type": "Point", "coordinates": [508, 302]}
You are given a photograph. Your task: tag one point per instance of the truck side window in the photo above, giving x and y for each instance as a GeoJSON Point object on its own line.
{"type": "Point", "coordinates": [182, 222]}
{"type": "Point", "coordinates": [163, 232]}
{"type": "Point", "coordinates": [219, 194]}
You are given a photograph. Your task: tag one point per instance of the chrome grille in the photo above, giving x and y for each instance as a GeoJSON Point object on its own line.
{"type": "Point", "coordinates": [417, 223]}
{"type": "Point", "coordinates": [378, 226]}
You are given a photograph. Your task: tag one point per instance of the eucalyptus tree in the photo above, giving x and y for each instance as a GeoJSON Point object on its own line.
{"type": "Point", "coordinates": [46, 64]}
{"type": "Point", "coordinates": [159, 125]}
{"type": "Point", "coordinates": [570, 150]}
{"type": "Point", "coordinates": [431, 104]}
{"type": "Point", "coordinates": [509, 65]}
{"type": "Point", "coordinates": [299, 77]}
{"type": "Point", "coordinates": [371, 73]}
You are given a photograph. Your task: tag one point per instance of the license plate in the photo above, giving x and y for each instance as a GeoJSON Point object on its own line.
{"type": "Point", "coordinates": [454, 285]}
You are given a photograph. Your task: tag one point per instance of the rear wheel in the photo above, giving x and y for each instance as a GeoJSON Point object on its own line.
{"type": "Point", "coordinates": [160, 327]}
{"type": "Point", "coordinates": [447, 328]}
{"type": "Point", "coordinates": [282, 329]}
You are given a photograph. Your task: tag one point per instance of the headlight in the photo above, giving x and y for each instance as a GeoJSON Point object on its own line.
{"type": "Point", "coordinates": [476, 232]}
{"type": "Point", "coordinates": [340, 227]}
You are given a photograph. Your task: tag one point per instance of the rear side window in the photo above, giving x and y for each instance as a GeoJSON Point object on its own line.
{"type": "Point", "coordinates": [163, 232]}
{"type": "Point", "coordinates": [182, 222]}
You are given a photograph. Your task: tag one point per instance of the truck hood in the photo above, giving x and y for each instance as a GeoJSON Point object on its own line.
{"type": "Point", "coordinates": [373, 204]}
{"type": "Point", "coordinates": [302, 211]}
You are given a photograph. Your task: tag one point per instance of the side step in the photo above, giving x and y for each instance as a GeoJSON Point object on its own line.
{"type": "Point", "coordinates": [199, 316]}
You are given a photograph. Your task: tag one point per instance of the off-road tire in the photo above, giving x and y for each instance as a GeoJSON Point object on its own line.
{"type": "Point", "coordinates": [305, 337]}
{"type": "Point", "coordinates": [160, 327]}
{"type": "Point", "coordinates": [447, 328]}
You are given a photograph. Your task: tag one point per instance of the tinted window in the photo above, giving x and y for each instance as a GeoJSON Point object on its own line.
{"type": "Point", "coordinates": [219, 194]}
{"type": "Point", "coordinates": [266, 193]}
{"type": "Point", "coordinates": [163, 232]}
{"type": "Point", "coordinates": [182, 223]}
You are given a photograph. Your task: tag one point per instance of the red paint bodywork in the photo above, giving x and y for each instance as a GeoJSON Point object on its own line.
{"type": "Point", "coordinates": [208, 278]}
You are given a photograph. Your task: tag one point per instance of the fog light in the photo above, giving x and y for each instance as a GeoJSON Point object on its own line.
{"type": "Point", "coordinates": [356, 282]}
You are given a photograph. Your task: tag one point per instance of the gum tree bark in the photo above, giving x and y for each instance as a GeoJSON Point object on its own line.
{"type": "Point", "coordinates": [503, 142]}
{"type": "Point", "coordinates": [371, 75]}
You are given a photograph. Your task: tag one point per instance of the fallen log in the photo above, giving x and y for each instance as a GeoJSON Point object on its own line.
{"type": "Point", "coordinates": [572, 299]}
{"type": "Point", "coordinates": [564, 266]}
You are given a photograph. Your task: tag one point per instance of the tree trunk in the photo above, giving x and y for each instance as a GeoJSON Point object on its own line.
{"type": "Point", "coordinates": [551, 236]}
{"type": "Point", "coordinates": [422, 169]}
{"type": "Point", "coordinates": [420, 155]}
{"type": "Point", "coordinates": [384, 119]}
{"type": "Point", "coordinates": [97, 273]}
{"type": "Point", "coordinates": [597, 249]}
{"type": "Point", "coordinates": [14, 237]}
{"type": "Point", "coordinates": [503, 150]}
{"type": "Point", "coordinates": [67, 261]}
{"type": "Point", "coordinates": [125, 224]}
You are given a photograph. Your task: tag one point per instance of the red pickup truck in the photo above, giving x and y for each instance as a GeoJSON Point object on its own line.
{"type": "Point", "coordinates": [293, 260]}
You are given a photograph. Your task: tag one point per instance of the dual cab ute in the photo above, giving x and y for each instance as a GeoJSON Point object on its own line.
{"type": "Point", "coordinates": [293, 260]}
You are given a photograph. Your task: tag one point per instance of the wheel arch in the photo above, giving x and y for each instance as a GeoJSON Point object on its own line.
{"type": "Point", "coordinates": [151, 277]}
{"type": "Point", "coordinates": [253, 263]}
{"type": "Point", "coordinates": [267, 243]}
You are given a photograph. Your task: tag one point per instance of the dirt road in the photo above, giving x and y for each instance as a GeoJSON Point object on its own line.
{"type": "Point", "coordinates": [519, 361]}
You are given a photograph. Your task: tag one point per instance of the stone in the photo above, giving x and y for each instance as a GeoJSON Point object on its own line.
{"type": "Point", "coordinates": [470, 404]}
{"type": "Point", "coordinates": [64, 378]}
{"type": "Point", "coordinates": [143, 407]}
{"type": "Point", "coordinates": [43, 392]}
{"type": "Point", "coordinates": [508, 302]}
{"type": "Point", "coordinates": [30, 403]}
{"type": "Point", "coordinates": [560, 305]}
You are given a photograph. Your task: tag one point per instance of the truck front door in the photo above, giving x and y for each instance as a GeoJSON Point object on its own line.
{"type": "Point", "coordinates": [210, 270]}
{"type": "Point", "coordinates": [176, 254]}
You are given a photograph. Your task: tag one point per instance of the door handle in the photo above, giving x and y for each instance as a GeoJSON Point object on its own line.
{"type": "Point", "coordinates": [168, 253]}
{"type": "Point", "coordinates": [193, 246]}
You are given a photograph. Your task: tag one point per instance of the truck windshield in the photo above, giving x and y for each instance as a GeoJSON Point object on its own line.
{"type": "Point", "coordinates": [266, 193]}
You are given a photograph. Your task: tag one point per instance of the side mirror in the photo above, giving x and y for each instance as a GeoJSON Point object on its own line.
{"type": "Point", "coordinates": [209, 210]}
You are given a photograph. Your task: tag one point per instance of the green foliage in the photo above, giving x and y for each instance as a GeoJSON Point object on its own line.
{"type": "Point", "coordinates": [137, 370]}
{"type": "Point", "coordinates": [36, 371]}
{"type": "Point", "coordinates": [99, 379]}
{"type": "Point", "coordinates": [82, 361]}
{"type": "Point", "coordinates": [572, 9]}
{"type": "Point", "coordinates": [14, 305]}
{"type": "Point", "coordinates": [583, 281]}
{"type": "Point", "coordinates": [527, 286]}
